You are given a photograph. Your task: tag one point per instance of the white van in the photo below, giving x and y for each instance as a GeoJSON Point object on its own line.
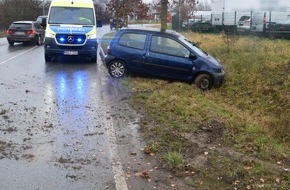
{"type": "Point", "coordinates": [71, 29]}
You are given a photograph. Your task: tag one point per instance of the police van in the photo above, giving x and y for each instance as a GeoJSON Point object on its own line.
{"type": "Point", "coordinates": [71, 30]}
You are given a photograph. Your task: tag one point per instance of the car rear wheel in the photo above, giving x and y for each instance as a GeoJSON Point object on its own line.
{"type": "Point", "coordinates": [38, 41]}
{"type": "Point", "coordinates": [117, 69]}
{"type": "Point", "coordinates": [203, 82]}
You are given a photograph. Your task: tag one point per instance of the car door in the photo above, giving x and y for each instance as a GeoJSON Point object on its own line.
{"type": "Point", "coordinates": [39, 29]}
{"type": "Point", "coordinates": [167, 57]}
{"type": "Point", "coordinates": [131, 49]}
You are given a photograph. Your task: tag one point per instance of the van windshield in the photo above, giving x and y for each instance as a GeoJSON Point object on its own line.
{"type": "Point", "coordinates": [71, 15]}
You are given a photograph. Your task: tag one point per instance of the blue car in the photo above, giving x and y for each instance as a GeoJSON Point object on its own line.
{"type": "Point", "coordinates": [165, 54]}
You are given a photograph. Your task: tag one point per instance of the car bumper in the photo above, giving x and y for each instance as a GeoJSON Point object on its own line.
{"type": "Point", "coordinates": [219, 78]}
{"type": "Point", "coordinates": [108, 59]}
{"type": "Point", "coordinates": [88, 49]}
{"type": "Point", "coordinates": [21, 38]}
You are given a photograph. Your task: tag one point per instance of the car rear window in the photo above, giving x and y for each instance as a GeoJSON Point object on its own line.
{"type": "Point", "coordinates": [243, 18]}
{"type": "Point", "coordinates": [133, 40]}
{"type": "Point", "coordinates": [21, 26]}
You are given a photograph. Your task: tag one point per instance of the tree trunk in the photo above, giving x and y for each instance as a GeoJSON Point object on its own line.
{"type": "Point", "coordinates": [163, 14]}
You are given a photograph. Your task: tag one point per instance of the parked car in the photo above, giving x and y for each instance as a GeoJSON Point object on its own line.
{"type": "Point", "coordinates": [115, 22]}
{"type": "Point", "coordinates": [42, 20]}
{"type": "Point", "coordinates": [25, 31]}
{"type": "Point", "coordinates": [244, 24]}
{"type": "Point", "coordinates": [163, 54]}
{"type": "Point", "coordinates": [279, 29]}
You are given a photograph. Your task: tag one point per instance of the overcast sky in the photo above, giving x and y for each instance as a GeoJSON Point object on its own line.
{"type": "Point", "coordinates": [232, 5]}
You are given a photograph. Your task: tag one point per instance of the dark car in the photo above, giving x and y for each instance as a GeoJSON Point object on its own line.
{"type": "Point", "coordinates": [116, 22]}
{"type": "Point", "coordinates": [164, 54]}
{"type": "Point", "coordinates": [279, 29]}
{"type": "Point", "coordinates": [25, 31]}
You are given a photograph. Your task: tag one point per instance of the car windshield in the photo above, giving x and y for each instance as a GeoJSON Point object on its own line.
{"type": "Point", "coordinates": [24, 26]}
{"type": "Point", "coordinates": [193, 46]}
{"type": "Point", "coordinates": [69, 15]}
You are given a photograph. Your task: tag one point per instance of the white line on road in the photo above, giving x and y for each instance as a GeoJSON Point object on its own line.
{"type": "Point", "coordinates": [17, 55]}
{"type": "Point", "coordinates": [119, 175]}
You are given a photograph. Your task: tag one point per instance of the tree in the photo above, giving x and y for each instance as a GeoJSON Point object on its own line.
{"type": "Point", "coordinates": [123, 8]}
{"type": "Point", "coordinates": [20, 10]}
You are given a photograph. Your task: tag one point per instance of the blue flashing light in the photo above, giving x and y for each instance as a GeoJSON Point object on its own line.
{"type": "Point", "coordinates": [61, 39]}
{"type": "Point", "coordinates": [79, 40]}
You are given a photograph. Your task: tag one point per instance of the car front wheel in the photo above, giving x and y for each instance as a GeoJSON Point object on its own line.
{"type": "Point", "coordinates": [117, 69]}
{"type": "Point", "coordinates": [203, 82]}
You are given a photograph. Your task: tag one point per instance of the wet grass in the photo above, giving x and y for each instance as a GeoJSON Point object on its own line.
{"type": "Point", "coordinates": [245, 124]}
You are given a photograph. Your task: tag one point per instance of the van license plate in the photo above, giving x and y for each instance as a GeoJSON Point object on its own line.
{"type": "Point", "coordinates": [70, 52]}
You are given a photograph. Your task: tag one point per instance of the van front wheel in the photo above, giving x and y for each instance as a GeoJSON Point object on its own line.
{"type": "Point", "coordinates": [203, 82]}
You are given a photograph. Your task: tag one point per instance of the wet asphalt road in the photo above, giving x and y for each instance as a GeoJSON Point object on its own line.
{"type": "Point", "coordinates": [66, 125]}
{"type": "Point", "coordinates": [56, 127]}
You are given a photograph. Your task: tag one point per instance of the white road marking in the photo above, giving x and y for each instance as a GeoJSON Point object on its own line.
{"type": "Point", "coordinates": [5, 61]}
{"type": "Point", "coordinates": [119, 174]}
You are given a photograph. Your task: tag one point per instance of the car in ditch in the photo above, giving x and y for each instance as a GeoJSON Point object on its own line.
{"type": "Point", "coordinates": [165, 54]}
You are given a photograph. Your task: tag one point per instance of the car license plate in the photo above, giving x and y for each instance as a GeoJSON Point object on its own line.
{"type": "Point", "coordinates": [70, 52]}
{"type": "Point", "coordinates": [18, 33]}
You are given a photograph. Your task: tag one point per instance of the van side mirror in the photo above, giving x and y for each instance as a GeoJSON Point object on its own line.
{"type": "Point", "coordinates": [99, 23]}
{"type": "Point", "coordinates": [43, 22]}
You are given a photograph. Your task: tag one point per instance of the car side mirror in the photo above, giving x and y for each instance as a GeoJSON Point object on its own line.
{"type": "Point", "coordinates": [192, 56]}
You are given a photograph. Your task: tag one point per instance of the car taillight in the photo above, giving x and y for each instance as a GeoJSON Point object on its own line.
{"type": "Point", "coordinates": [30, 32]}
{"type": "Point", "coordinates": [109, 50]}
{"type": "Point", "coordinates": [9, 31]}
{"type": "Point", "coordinates": [248, 21]}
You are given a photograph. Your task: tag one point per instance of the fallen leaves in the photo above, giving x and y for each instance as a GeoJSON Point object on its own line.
{"type": "Point", "coordinates": [145, 174]}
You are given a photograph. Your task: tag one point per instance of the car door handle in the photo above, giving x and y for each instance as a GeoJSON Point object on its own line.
{"type": "Point", "coordinates": [144, 55]}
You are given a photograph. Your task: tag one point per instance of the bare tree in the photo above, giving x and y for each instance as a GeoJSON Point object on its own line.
{"type": "Point", "coordinates": [123, 8]}
{"type": "Point", "coordinates": [20, 10]}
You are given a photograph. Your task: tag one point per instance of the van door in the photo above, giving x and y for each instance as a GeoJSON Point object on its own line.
{"type": "Point", "coordinates": [167, 57]}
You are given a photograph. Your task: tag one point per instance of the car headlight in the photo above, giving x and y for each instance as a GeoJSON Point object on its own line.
{"type": "Point", "coordinates": [49, 35]}
{"type": "Point", "coordinates": [93, 36]}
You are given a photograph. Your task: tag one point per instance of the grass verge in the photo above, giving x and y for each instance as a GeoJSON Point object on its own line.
{"type": "Point", "coordinates": [232, 137]}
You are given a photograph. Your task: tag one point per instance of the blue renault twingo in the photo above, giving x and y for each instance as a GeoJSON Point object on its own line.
{"type": "Point", "coordinates": [164, 54]}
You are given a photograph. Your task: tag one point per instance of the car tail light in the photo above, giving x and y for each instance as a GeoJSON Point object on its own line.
{"type": "Point", "coordinates": [109, 50]}
{"type": "Point", "coordinates": [9, 31]}
{"type": "Point", "coordinates": [29, 32]}
{"type": "Point", "coordinates": [248, 21]}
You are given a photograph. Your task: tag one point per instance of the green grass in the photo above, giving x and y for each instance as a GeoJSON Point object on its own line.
{"type": "Point", "coordinates": [244, 125]}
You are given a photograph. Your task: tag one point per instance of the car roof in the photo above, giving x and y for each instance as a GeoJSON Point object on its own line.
{"type": "Point", "coordinates": [150, 30]}
{"type": "Point", "coordinates": [23, 22]}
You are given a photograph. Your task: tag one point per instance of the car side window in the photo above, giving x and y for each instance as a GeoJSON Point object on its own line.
{"type": "Point", "coordinates": [133, 40]}
{"type": "Point", "coordinates": [168, 46]}
{"type": "Point", "coordinates": [37, 26]}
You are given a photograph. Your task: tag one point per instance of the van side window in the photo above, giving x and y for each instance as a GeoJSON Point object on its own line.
{"type": "Point", "coordinates": [168, 46]}
{"type": "Point", "coordinates": [133, 40]}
